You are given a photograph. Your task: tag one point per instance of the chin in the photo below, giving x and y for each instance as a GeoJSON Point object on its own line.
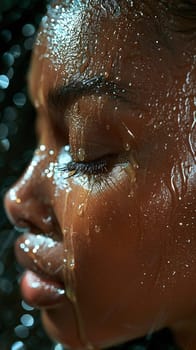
{"type": "Point", "coordinates": [61, 326]}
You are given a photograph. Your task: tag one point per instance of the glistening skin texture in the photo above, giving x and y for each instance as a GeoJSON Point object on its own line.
{"type": "Point", "coordinates": [115, 82]}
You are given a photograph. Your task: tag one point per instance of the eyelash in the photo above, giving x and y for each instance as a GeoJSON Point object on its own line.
{"type": "Point", "coordinates": [96, 167]}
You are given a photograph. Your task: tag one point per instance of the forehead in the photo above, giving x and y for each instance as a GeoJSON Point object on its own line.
{"type": "Point", "coordinates": [77, 35]}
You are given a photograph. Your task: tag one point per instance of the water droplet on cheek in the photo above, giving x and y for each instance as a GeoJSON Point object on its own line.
{"type": "Point", "coordinates": [127, 146]}
{"type": "Point", "coordinates": [97, 228]}
{"type": "Point", "coordinates": [80, 209]}
{"type": "Point", "coordinates": [47, 220]}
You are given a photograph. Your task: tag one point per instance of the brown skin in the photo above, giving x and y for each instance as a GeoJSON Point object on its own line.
{"type": "Point", "coordinates": [133, 227]}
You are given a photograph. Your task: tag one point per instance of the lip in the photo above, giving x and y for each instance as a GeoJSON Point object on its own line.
{"type": "Point", "coordinates": [42, 285]}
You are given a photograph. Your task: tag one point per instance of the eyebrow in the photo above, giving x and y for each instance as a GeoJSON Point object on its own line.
{"type": "Point", "coordinates": [63, 95]}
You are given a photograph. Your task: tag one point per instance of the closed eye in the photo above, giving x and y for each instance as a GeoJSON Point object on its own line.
{"type": "Point", "coordinates": [97, 167]}
{"type": "Point", "coordinates": [82, 168]}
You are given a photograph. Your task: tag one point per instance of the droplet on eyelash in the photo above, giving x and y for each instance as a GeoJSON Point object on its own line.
{"type": "Point", "coordinates": [81, 154]}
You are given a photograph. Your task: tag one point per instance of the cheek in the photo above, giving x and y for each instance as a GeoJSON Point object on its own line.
{"type": "Point", "coordinates": [122, 232]}
{"type": "Point", "coordinates": [129, 266]}
{"type": "Point", "coordinates": [117, 250]}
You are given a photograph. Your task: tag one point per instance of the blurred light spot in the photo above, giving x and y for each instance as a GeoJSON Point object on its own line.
{"type": "Point", "coordinates": [26, 306]}
{"type": "Point", "coordinates": [8, 59]}
{"type": "Point", "coordinates": [58, 347]}
{"type": "Point", "coordinates": [3, 131]}
{"type": "Point", "coordinates": [19, 99]}
{"type": "Point", "coordinates": [5, 286]}
{"type": "Point", "coordinates": [2, 96]}
{"type": "Point", "coordinates": [28, 44]}
{"type": "Point", "coordinates": [2, 164]}
{"type": "Point", "coordinates": [10, 73]}
{"type": "Point", "coordinates": [27, 320]}
{"type": "Point", "coordinates": [7, 316]}
{"type": "Point", "coordinates": [13, 128]}
{"type": "Point", "coordinates": [25, 4]}
{"type": "Point", "coordinates": [1, 268]}
{"type": "Point", "coordinates": [6, 35]}
{"type": "Point", "coordinates": [21, 331]}
{"type": "Point", "coordinates": [18, 345]}
{"type": "Point", "coordinates": [28, 30]}
{"type": "Point", "coordinates": [9, 114]}
{"type": "Point", "coordinates": [4, 145]}
{"type": "Point", "coordinates": [16, 50]}
{"type": "Point", "coordinates": [4, 81]}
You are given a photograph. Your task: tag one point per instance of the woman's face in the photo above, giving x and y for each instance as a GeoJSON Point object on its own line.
{"type": "Point", "coordinates": [109, 196]}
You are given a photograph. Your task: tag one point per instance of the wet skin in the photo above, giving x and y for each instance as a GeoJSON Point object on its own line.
{"type": "Point", "coordinates": [118, 87]}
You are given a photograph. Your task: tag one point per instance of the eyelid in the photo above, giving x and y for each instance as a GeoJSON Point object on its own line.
{"type": "Point", "coordinates": [98, 166]}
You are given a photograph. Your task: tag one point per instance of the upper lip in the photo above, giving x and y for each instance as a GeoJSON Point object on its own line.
{"type": "Point", "coordinates": [42, 255]}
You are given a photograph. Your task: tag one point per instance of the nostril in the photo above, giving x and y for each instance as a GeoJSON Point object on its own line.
{"type": "Point", "coordinates": [29, 213]}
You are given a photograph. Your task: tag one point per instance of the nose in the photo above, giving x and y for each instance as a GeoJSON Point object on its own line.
{"type": "Point", "coordinates": [27, 203]}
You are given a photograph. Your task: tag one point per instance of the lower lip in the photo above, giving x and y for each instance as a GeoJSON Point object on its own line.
{"type": "Point", "coordinates": [41, 292]}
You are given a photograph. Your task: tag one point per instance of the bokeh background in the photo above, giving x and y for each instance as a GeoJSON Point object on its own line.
{"type": "Point", "coordinates": [20, 326]}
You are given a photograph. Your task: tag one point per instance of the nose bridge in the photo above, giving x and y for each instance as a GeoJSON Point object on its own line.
{"type": "Point", "coordinates": [27, 199]}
